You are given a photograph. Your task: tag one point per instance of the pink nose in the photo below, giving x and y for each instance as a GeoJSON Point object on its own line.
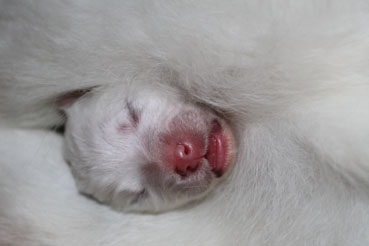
{"type": "Point", "coordinates": [184, 152]}
{"type": "Point", "coordinates": [187, 157]}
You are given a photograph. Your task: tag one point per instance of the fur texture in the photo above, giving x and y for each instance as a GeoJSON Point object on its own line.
{"type": "Point", "coordinates": [122, 145]}
{"type": "Point", "coordinates": [292, 76]}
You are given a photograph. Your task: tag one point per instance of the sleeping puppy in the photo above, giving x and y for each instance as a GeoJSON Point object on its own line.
{"type": "Point", "coordinates": [289, 80]}
{"type": "Point", "coordinates": [143, 148]}
{"type": "Point", "coordinates": [130, 144]}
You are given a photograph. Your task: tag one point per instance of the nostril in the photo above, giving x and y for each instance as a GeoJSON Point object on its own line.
{"type": "Point", "coordinates": [193, 168]}
{"type": "Point", "coordinates": [184, 151]}
{"type": "Point", "coordinates": [181, 172]}
{"type": "Point", "coordinates": [185, 170]}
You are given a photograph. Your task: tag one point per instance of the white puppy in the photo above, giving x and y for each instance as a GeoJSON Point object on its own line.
{"type": "Point", "coordinates": [292, 77]}
{"type": "Point", "coordinates": [144, 149]}
{"type": "Point", "coordinates": [132, 146]}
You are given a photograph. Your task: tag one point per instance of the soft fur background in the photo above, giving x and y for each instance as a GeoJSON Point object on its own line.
{"type": "Point", "coordinates": [292, 76]}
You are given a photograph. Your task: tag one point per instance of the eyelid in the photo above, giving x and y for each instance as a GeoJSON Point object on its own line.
{"type": "Point", "coordinates": [133, 114]}
{"type": "Point", "coordinates": [125, 128]}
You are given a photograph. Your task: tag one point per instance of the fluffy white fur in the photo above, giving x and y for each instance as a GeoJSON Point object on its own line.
{"type": "Point", "coordinates": [292, 76]}
{"type": "Point", "coordinates": [120, 140]}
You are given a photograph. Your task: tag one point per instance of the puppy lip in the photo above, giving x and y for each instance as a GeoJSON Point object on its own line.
{"type": "Point", "coordinates": [220, 153]}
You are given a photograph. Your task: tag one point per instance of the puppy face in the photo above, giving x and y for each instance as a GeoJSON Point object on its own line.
{"type": "Point", "coordinates": [145, 150]}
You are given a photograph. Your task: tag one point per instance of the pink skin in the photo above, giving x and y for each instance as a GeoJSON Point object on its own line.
{"type": "Point", "coordinates": [185, 149]}
{"type": "Point", "coordinates": [220, 144]}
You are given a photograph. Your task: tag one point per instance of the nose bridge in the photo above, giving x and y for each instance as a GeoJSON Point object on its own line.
{"type": "Point", "coordinates": [168, 115]}
{"type": "Point", "coordinates": [188, 120]}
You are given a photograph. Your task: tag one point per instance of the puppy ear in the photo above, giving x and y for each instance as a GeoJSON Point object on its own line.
{"type": "Point", "coordinates": [66, 100]}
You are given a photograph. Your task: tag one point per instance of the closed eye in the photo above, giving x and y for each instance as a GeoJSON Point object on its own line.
{"type": "Point", "coordinates": [124, 128]}
{"type": "Point", "coordinates": [134, 117]}
{"type": "Point", "coordinates": [132, 122]}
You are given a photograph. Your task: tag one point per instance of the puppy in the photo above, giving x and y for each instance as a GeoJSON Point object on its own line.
{"type": "Point", "coordinates": [143, 149]}
{"type": "Point", "coordinates": [289, 79]}
{"type": "Point", "coordinates": [166, 153]}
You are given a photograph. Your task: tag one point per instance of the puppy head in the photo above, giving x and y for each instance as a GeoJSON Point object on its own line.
{"type": "Point", "coordinates": [144, 149]}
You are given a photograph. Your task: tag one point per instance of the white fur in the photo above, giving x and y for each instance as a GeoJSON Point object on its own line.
{"type": "Point", "coordinates": [292, 76]}
{"type": "Point", "coordinates": [117, 141]}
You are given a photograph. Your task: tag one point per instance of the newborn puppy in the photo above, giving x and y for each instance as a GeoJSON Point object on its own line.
{"type": "Point", "coordinates": [144, 149]}
{"type": "Point", "coordinates": [141, 149]}
{"type": "Point", "coordinates": [292, 76]}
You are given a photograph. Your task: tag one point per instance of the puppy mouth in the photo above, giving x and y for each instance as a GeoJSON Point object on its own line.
{"type": "Point", "coordinates": [220, 153]}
